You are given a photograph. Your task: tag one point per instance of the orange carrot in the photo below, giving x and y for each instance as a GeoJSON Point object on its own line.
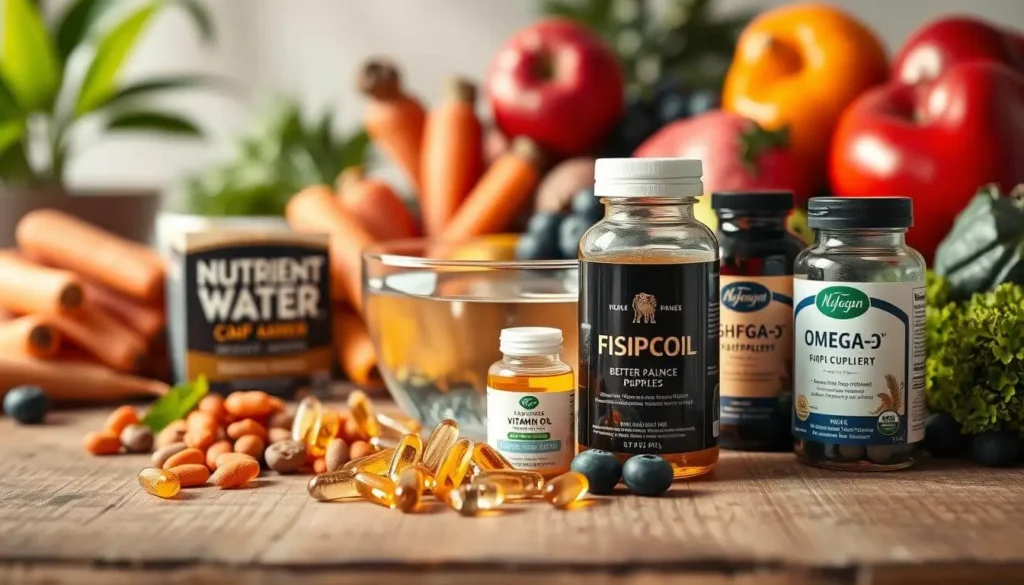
{"type": "Point", "coordinates": [30, 335]}
{"type": "Point", "coordinates": [105, 338]}
{"type": "Point", "coordinates": [394, 120]}
{"type": "Point", "coordinates": [355, 350]}
{"type": "Point", "coordinates": [377, 207]}
{"type": "Point", "coordinates": [64, 241]}
{"type": "Point", "coordinates": [315, 209]}
{"type": "Point", "coordinates": [146, 319]}
{"type": "Point", "coordinates": [6, 315]}
{"type": "Point", "coordinates": [26, 287]}
{"type": "Point", "coordinates": [74, 382]}
{"type": "Point", "coordinates": [494, 201]}
{"type": "Point", "coordinates": [452, 158]}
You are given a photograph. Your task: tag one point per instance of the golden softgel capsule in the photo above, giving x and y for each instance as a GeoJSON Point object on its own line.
{"type": "Point", "coordinates": [487, 458]}
{"type": "Point", "coordinates": [565, 489]}
{"type": "Point", "coordinates": [322, 432]}
{"type": "Point", "coordinates": [306, 416]}
{"type": "Point", "coordinates": [159, 482]}
{"type": "Point", "coordinates": [407, 453]}
{"type": "Point", "coordinates": [441, 439]}
{"type": "Point", "coordinates": [378, 462]}
{"type": "Point", "coordinates": [409, 488]}
{"type": "Point", "coordinates": [362, 412]}
{"type": "Point", "coordinates": [517, 485]}
{"type": "Point", "coordinates": [471, 499]}
{"type": "Point", "coordinates": [376, 488]}
{"type": "Point", "coordinates": [336, 485]}
{"type": "Point", "coordinates": [455, 465]}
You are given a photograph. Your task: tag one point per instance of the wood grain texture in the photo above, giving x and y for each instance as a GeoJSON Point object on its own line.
{"type": "Point", "coordinates": [757, 517]}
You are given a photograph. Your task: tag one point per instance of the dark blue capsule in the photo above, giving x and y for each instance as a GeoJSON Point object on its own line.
{"type": "Point", "coordinates": [26, 404]}
{"type": "Point", "coordinates": [647, 475]}
{"type": "Point", "coordinates": [602, 469]}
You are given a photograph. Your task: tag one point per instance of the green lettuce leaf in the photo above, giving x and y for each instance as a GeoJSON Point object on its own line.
{"type": "Point", "coordinates": [176, 404]}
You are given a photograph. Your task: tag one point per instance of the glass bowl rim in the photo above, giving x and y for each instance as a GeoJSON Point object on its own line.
{"type": "Point", "coordinates": [377, 252]}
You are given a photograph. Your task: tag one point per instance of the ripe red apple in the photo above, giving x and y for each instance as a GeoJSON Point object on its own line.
{"type": "Point", "coordinates": [557, 83]}
{"type": "Point", "coordinates": [949, 41]}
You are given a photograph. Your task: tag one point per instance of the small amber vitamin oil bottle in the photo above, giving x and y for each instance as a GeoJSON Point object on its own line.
{"type": "Point", "coordinates": [531, 401]}
{"type": "Point", "coordinates": [757, 319]}
{"type": "Point", "coordinates": [859, 353]}
{"type": "Point", "coordinates": [649, 317]}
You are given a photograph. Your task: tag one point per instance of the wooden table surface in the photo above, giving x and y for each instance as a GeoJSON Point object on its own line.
{"type": "Point", "coordinates": [66, 516]}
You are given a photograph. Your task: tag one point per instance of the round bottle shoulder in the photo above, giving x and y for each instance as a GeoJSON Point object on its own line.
{"type": "Point", "coordinates": [610, 237]}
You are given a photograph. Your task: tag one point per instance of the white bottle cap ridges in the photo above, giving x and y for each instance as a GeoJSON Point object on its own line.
{"type": "Point", "coordinates": [530, 341]}
{"type": "Point", "coordinates": [648, 177]}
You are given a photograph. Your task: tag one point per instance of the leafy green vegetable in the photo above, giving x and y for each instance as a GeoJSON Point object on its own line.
{"type": "Point", "coordinates": [975, 365]}
{"type": "Point", "coordinates": [176, 404]}
{"type": "Point", "coordinates": [280, 157]}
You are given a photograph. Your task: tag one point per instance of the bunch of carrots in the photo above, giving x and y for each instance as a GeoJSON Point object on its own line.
{"type": "Point", "coordinates": [441, 152]}
{"type": "Point", "coordinates": [81, 312]}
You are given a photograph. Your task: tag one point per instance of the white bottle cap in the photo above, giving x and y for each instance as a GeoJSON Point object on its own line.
{"type": "Point", "coordinates": [648, 177]}
{"type": "Point", "coordinates": [530, 341]}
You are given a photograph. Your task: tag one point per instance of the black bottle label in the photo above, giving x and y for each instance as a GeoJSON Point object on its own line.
{"type": "Point", "coordinates": [648, 357]}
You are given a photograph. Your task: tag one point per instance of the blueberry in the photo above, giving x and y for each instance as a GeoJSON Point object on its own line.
{"type": "Point", "coordinates": [647, 475]}
{"type": "Point", "coordinates": [995, 448]}
{"type": "Point", "coordinates": [586, 204]}
{"type": "Point", "coordinates": [570, 233]}
{"type": "Point", "coordinates": [602, 469]}
{"type": "Point", "coordinates": [536, 247]}
{"type": "Point", "coordinates": [545, 224]}
{"type": "Point", "coordinates": [26, 404]}
{"type": "Point", "coordinates": [673, 107]}
{"type": "Point", "coordinates": [667, 86]}
{"type": "Point", "coordinates": [638, 122]}
{"type": "Point", "coordinates": [942, 437]}
{"type": "Point", "coordinates": [702, 101]}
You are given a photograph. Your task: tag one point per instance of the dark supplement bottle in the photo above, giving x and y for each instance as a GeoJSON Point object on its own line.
{"type": "Point", "coordinates": [756, 333]}
{"type": "Point", "coordinates": [648, 373]}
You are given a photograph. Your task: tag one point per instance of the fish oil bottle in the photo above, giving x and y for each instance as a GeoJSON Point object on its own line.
{"type": "Point", "coordinates": [756, 335]}
{"type": "Point", "coordinates": [859, 334]}
{"type": "Point", "coordinates": [531, 401]}
{"type": "Point", "coordinates": [649, 318]}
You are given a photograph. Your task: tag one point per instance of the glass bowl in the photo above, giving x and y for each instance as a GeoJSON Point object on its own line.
{"type": "Point", "coordinates": [434, 312]}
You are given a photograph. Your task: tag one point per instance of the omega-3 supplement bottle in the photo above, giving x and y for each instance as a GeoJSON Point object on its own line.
{"type": "Point", "coordinates": [757, 319]}
{"type": "Point", "coordinates": [649, 317]}
{"type": "Point", "coordinates": [859, 334]}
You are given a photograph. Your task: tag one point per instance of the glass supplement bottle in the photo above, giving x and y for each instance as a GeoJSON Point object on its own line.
{"type": "Point", "coordinates": [531, 401]}
{"type": "Point", "coordinates": [649, 317]}
{"type": "Point", "coordinates": [859, 333]}
{"type": "Point", "coordinates": [756, 334]}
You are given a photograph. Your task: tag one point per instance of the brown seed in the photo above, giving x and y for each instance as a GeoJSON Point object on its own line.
{"type": "Point", "coordinates": [247, 427]}
{"type": "Point", "coordinates": [251, 445]}
{"type": "Point", "coordinates": [120, 418]}
{"type": "Point", "coordinates": [216, 450]}
{"type": "Point", "coordinates": [285, 456]}
{"type": "Point", "coordinates": [281, 420]}
{"type": "Point", "coordinates": [164, 453]}
{"type": "Point", "coordinates": [275, 435]}
{"type": "Point", "coordinates": [172, 433]}
{"type": "Point", "coordinates": [235, 473]}
{"type": "Point", "coordinates": [102, 443]}
{"type": "Point", "coordinates": [137, 438]}
{"type": "Point", "coordinates": [337, 454]}
{"type": "Point", "coordinates": [190, 455]}
{"type": "Point", "coordinates": [225, 458]}
{"type": "Point", "coordinates": [359, 449]}
{"type": "Point", "coordinates": [200, 438]}
{"type": "Point", "coordinates": [191, 474]}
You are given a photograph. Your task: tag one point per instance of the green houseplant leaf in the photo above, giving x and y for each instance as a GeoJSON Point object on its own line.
{"type": "Point", "coordinates": [76, 23]}
{"type": "Point", "coordinates": [148, 120]}
{"type": "Point", "coordinates": [156, 85]}
{"type": "Point", "coordinates": [111, 54]}
{"type": "Point", "coordinates": [28, 61]}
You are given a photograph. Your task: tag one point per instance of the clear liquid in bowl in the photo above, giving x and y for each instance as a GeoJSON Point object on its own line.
{"type": "Point", "coordinates": [436, 333]}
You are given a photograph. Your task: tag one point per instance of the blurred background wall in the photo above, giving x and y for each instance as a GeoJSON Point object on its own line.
{"type": "Point", "coordinates": [311, 49]}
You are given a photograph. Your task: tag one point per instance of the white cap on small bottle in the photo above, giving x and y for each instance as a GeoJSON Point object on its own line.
{"type": "Point", "coordinates": [648, 177]}
{"type": "Point", "coordinates": [530, 341]}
